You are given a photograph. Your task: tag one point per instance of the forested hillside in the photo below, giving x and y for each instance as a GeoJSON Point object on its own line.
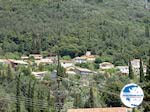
{"type": "Point", "coordinates": [116, 29]}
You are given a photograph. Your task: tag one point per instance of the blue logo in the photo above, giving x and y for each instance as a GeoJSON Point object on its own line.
{"type": "Point", "coordinates": [132, 95]}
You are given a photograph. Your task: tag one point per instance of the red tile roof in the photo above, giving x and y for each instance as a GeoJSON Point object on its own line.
{"type": "Point", "coordinates": [118, 109]}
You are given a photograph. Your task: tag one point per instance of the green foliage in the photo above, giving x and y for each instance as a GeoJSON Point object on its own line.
{"type": "Point", "coordinates": [18, 105]}
{"type": "Point", "coordinates": [141, 71]}
{"type": "Point", "coordinates": [147, 77]}
{"type": "Point", "coordinates": [131, 74]}
{"type": "Point", "coordinates": [77, 101]}
{"type": "Point", "coordinates": [73, 30]}
{"type": "Point", "coordinates": [147, 32]}
{"type": "Point", "coordinates": [90, 103]}
{"type": "Point", "coordinates": [114, 84]}
{"type": "Point", "coordinates": [97, 61]}
{"type": "Point", "coordinates": [146, 89]}
{"type": "Point", "coordinates": [83, 65]}
{"type": "Point", "coordinates": [66, 57]}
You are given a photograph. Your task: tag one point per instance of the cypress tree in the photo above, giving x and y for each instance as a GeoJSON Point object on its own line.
{"type": "Point", "coordinates": [48, 99]}
{"type": "Point", "coordinates": [90, 102]}
{"type": "Point", "coordinates": [147, 33]}
{"type": "Point", "coordinates": [91, 99]}
{"type": "Point", "coordinates": [18, 109]}
{"type": "Point", "coordinates": [77, 101]}
{"type": "Point", "coordinates": [147, 77]}
{"type": "Point", "coordinates": [141, 71]}
{"type": "Point", "coordinates": [146, 89]}
{"type": "Point", "coordinates": [32, 96]}
{"type": "Point", "coordinates": [28, 101]}
{"type": "Point", "coordinates": [9, 73]}
{"type": "Point", "coordinates": [131, 74]}
{"type": "Point", "coordinates": [60, 74]}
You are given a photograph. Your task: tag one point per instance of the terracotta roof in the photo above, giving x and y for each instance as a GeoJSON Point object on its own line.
{"type": "Point", "coordinates": [90, 56]}
{"type": "Point", "coordinates": [117, 109]}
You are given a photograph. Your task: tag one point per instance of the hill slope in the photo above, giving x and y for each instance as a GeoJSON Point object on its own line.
{"type": "Point", "coordinates": [117, 29]}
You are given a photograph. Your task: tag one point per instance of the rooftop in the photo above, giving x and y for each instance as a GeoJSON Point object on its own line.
{"type": "Point", "coordinates": [117, 109]}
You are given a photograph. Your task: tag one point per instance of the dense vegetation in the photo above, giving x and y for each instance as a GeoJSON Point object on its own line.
{"type": "Point", "coordinates": [22, 92]}
{"type": "Point", "coordinates": [118, 29]}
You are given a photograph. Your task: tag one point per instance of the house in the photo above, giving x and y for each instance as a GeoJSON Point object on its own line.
{"type": "Point", "coordinates": [39, 75]}
{"type": "Point", "coordinates": [82, 71]}
{"type": "Point", "coordinates": [24, 58]}
{"type": "Point", "coordinates": [66, 63]}
{"type": "Point", "coordinates": [136, 66]}
{"type": "Point", "coordinates": [36, 56]}
{"type": "Point", "coordinates": [89, 56]}
{"type": "Point", "coordinates": [80, 60]}
{"type": "Point", "coordinates": [135, 63]}
{"type": "Point", "coordinates": [53, 57]}
{"type": "Point", "coordinates": [4, 61]}
{"type": "Point", "coordinates": [70, 70]}
{"type": "Point", "coordinates": [44, 61]}
{"type": "Point", "coordinates": [15, 63]}
{"type": "Point", "coordinates": [85, 58]}
{"type": "Point", "coordinates": [123, 69]}
{"type": "Point", "coordinates": [106, 65]}
{"type": "Point", "coordinates": [115, 109]}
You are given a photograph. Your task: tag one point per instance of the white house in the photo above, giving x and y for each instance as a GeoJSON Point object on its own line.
{"type": "Point", "coordinates": [80, 60]}
{"type": "Point", "coordinates": [88, 56]}
{"type": "Point", "coordinates": [83, 71]}
{"type": "Point", "coordinates": [135, 63]}
{"type": "Point", "coordinates": [24, 57]}
{"type": "Point", "coordinates": [36, 56]}
{"type": "Point", "coordinates": [106, 65]}
{"type": "Point", "coordinates": [44, 61]}
{"type": "Point", "coordinates": [85, 58]}
{"type": "Point", "coordinates": [70, 70]}
{"type": "Point", "coordinates": [136, 66]}
{"type": "Point", "coordinates": [4, 61]}
{"type": "Point", "coordinates": [66, 63]}
{"type": "Point", "coordinates": [123, 69]}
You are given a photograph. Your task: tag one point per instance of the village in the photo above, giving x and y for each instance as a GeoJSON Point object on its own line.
{"type": "Point", "coordinates": [70, 65]}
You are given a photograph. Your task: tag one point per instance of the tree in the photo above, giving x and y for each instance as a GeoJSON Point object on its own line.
{"type": "Point", "coordinates": [131, 74]}
{"type": "Point", "coordinates": [9, 73]}
{"type": "Point", "coordinates": [60, 74]}
{"type": "Point", "coordinates": [32, 96]}
{"type": "Point", "coordinates": [147, 77]}
{"type": "Point", "coordinates": [77, 101]}
{"type": "Point", "coordinates": [27, 101]}
{"type": "Point", "coordinates": [98, 60]}
{"type": "Point", "coordinates": [90, 101]}
{"type": "Point", "coordinates": [100, 1]}
{"type": "Point", "coordinates": [141, 71]}
{"type": "Point", "coordinates": [146, 89]}
{"type": "Point", "coordinates": [147, 33]}
{"type": "Point", "coordinates": [18, 109]}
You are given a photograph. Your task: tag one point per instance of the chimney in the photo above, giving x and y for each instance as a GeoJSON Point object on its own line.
{"type": "Point", "coordinates": [88, 53]}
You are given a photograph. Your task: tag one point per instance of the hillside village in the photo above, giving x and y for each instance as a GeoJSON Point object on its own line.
{"type": "Point", "coordinates": [74, 55]}
{"type": "Point", "coordinates": [71, 65]}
